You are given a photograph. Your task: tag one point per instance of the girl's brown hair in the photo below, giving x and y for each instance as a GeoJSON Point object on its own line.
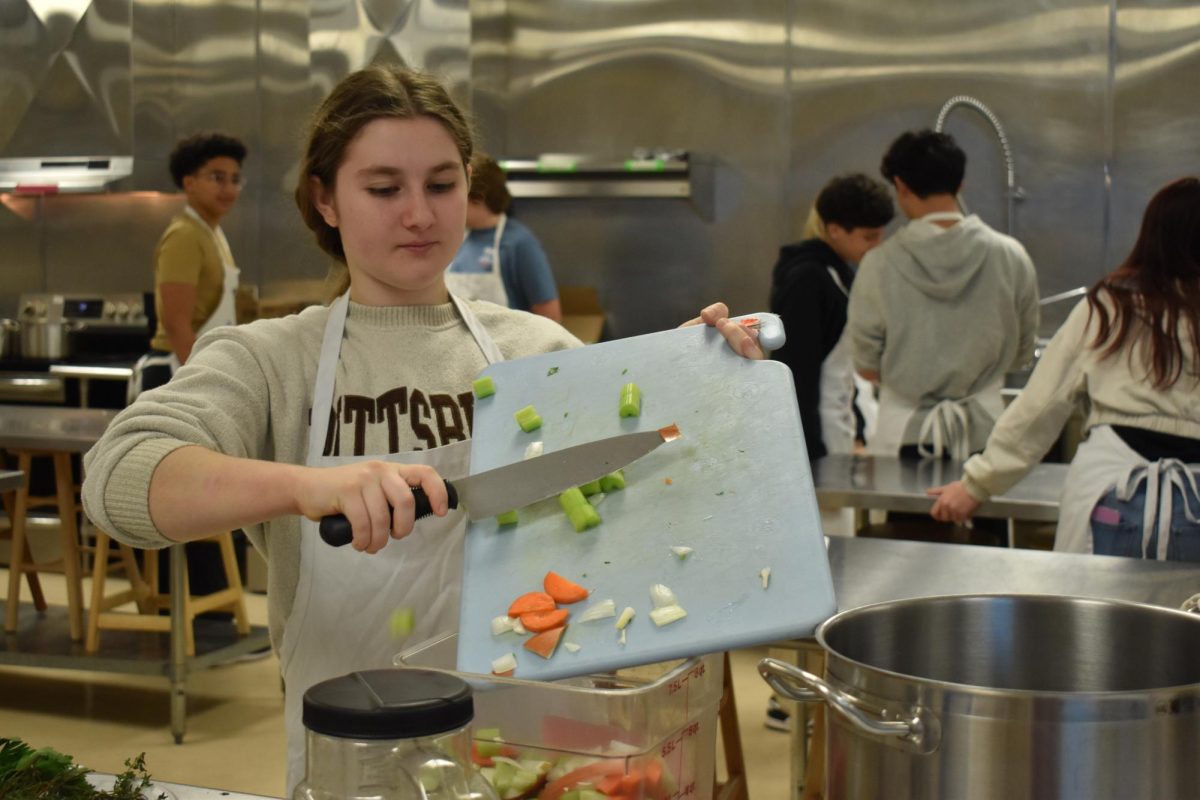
{"type": "Point", "coordinates": [488, 184]}
{"type": "Point", "coordinates": [1158, 286]}
{"type": "Point", "coordinates": [381, 91]}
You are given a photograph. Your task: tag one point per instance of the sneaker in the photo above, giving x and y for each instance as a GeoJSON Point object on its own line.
{"type": "Point", "coordinates": [777, 718]}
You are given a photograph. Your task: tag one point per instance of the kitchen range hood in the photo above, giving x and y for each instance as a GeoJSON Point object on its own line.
{"type": "Point", "coordinates": [62, 174]}
{"type": "Point", "coordinates": [67, 122]}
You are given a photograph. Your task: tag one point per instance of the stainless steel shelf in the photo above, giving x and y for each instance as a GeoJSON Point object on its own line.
{"type": "Point", "coordinates": [583, 177]}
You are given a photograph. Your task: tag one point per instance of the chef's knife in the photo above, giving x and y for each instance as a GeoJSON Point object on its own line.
{"type": "Point", "coordinates": [502, 489]}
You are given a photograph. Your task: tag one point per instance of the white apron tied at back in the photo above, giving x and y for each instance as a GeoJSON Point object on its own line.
{"type": "Point", "coordinates": [1104, 462]}
{"type": "Point", "coordinates": [224, 314]}
{"type": "Point", "coordinates": [345, 599]}
{"type": "Point", "coordinates": [487, 285]}
{"type": "Point", "coordinates": [945, 428]}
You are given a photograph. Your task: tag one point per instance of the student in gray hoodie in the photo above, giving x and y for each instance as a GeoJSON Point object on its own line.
{"type": "Point", "coordinates": [939, 312]}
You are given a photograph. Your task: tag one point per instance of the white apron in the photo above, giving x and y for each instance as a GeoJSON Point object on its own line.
{"type": "Point", "coordinates": [836, 403]}
{"type": "Point", "coordinates": [224, 314]}
{"type": "Point", "coordinates": [487, 285]}
{"type": "Point", "coordinates": [1103, 462]}
{"type": "Point", "coordinates": [345, 599]}
{"type": "Point", "coordinates": [945, 430]}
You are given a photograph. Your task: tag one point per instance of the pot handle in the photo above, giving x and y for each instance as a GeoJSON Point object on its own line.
{"type": "Point", "coordinates": [919, 729]}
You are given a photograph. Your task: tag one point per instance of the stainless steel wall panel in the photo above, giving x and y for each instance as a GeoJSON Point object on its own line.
{"type": "Point", "coordinates": [604, 78]}
{"type": "Point", "coordinates": [284, 248]}
{"type": "Point", "coordinates": [104, 243]}
{"type": "Point", "coordinates": [65, 70]}
{"type": "Point", "coordinates": [1156, 108]}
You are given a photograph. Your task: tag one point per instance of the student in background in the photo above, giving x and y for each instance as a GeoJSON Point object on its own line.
{"type": "Point", "coordinates": [501, 261]}
{"type": "Point", "coordinates": [810, 290]}
{"type": "Point", "coordinates": [1131, 348]}
{"type": "Point", "coordinates": [940, 311]}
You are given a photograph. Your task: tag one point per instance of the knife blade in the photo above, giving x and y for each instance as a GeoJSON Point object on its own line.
{"type": "Point", "coordinates": [487, 494]}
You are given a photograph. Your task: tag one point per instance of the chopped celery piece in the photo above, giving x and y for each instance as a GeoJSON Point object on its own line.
{"type": "Point", "coordinates": [579, 511]}
{"type": "Point", "coordinates": [613, 481]}
{"type": "Point", "coordinates": [508, 518]}
{"type": "Point", "coordinates": [402, 622]}
{"type": "Point", "coordinates": [484, 387]}
{"type": "Point", "coordinates": [528, 419]}
{"type": "Point", "coordinates": [590, 488]}
{"type": "Point", "coordinates": [631, 400]}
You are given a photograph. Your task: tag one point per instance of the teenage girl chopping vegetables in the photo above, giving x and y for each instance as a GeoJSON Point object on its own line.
{"type": "Point", "coordinates": [385, 374]}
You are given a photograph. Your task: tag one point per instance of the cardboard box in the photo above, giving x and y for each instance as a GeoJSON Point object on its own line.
{"type": "Point", "coordinates": [582, 314]}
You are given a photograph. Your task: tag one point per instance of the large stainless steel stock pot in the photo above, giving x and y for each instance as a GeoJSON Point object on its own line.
{"type": "Point", "coordinates": [983, 697]}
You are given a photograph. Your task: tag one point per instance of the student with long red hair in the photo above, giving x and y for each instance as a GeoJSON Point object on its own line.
{"type": "Point", "coordinates": [1131, 349]}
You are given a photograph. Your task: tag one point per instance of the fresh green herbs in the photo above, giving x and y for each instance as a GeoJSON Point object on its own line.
{"type": "Point", "coordinates": [46, 774]}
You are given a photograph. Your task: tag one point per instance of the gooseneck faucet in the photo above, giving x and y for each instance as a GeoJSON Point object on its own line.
{"type": "Point", "coordinates": [1013, 192]}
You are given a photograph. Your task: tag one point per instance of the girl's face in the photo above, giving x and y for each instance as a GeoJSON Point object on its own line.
{"type": "Point", "coordinates": [400, 204]}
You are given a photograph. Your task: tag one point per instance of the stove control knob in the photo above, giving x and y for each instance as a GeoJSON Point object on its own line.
{"type": "Point", "coordinates": [122, 310]}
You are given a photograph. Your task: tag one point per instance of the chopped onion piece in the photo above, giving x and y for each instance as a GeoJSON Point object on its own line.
{"type": "Point", "coordinates": [621, 641]}
{"type": "Point", "coordinates": [505, 663]}
{"type": "Point", "coordinates": [601, 610]}
{"type": "Point", "coordinates": [503, 624]}
{"type": "Point", "coordinates": [518, 628]}
{"type": "Point", "coordinates": [572, 647]}
{"type": "Point", "coordinates": [681, 551]}
{"type": "Point", "coordinates": [662, 596]}
{"type": "Point", "coordinates": [597, 499]}
{"type": "Point", "coordinates": [625, 618]}
{"type": "Point", "coordinates": [507, 760]}
{"type": "Point", "coordinates": [533, 450]}
{"type": "Point", "coordinates": [765, 574]}
{"type": "Point", "coordinates": [667, 614]}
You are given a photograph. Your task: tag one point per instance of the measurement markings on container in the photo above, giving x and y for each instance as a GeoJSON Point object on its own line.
{"type": "Point", "coordinates": [686, 791]}
{"type": "Point", "coordinates": [681, 682]}
{"type": "Point", "coordinates": [669, 745]}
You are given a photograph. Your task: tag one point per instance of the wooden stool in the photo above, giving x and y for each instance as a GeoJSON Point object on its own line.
{"type": "Point", "coordinates": [734, 787]}
{"type": "Point", "coordinates": [35, 585]}
{"type": "Point", "coordinates": [68, 506]}
{"type": "Point", "coordinates": [144, 593]}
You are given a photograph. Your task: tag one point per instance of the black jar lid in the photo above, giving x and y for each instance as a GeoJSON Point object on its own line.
{"type": "Point", "coordinates": [388, 704]}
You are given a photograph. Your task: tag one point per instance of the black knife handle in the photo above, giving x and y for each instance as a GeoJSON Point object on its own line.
{"type": "Point", "coordinates": [336, 531]}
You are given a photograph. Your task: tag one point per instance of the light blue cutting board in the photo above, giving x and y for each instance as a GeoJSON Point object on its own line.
{"type": "Point", "coordinates": [740, 494]}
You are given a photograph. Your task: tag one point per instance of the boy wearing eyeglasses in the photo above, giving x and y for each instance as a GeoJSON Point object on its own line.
{"type": "Point", "coordinates": [195, 282]}
{"type": "Point", "coordinates": [195, 277]}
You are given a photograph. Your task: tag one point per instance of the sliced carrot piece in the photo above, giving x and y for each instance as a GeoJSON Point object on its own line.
{"type": "Point", "coordinates": [546, 642]}
{"type": "Point", "coordinates": [480, 760]}
{"type": "Point", "coordinates": [632, 782]}
{"type": "Point", "coordinates": [589, 773]}
{"type": "Point", "coordinates": [609, 784]}
{"type": "Point", "coordinates": [562, 590]}
{"type": "Point", "coordinates": [529, 602]}
{"type": "Point", "coordinates": [538, 621]}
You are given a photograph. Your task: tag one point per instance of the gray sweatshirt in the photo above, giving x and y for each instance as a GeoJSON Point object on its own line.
{"type": "Point", "coordinates": [403, 383]}
{"type": "Point", "coordinates": [943, 313]}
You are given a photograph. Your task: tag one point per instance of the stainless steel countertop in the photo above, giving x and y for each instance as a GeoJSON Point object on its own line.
{"type": "Point", "coordinates": [174, 791]}
{"type": "Point", "coordinates": [93, 372]}
{"type": "Point", "coordinates": [11, 479]}
{"type": "Point", "coordinates": [896, 484]}
{"type": "Point", "coordinates": [72, 430]}
{"type": "Point", "coordinates": [867, 571]}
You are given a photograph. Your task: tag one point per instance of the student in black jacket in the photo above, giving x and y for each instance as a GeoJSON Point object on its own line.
{"type": "Point", "coordinates": [810, 289]}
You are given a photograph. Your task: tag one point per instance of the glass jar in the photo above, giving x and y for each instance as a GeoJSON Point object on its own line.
{"type": "Point", "coordinates": [390, 735]}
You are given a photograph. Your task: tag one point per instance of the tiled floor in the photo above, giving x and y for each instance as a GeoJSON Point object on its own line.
{"type": "Point", "coordinates": [235, 734]}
